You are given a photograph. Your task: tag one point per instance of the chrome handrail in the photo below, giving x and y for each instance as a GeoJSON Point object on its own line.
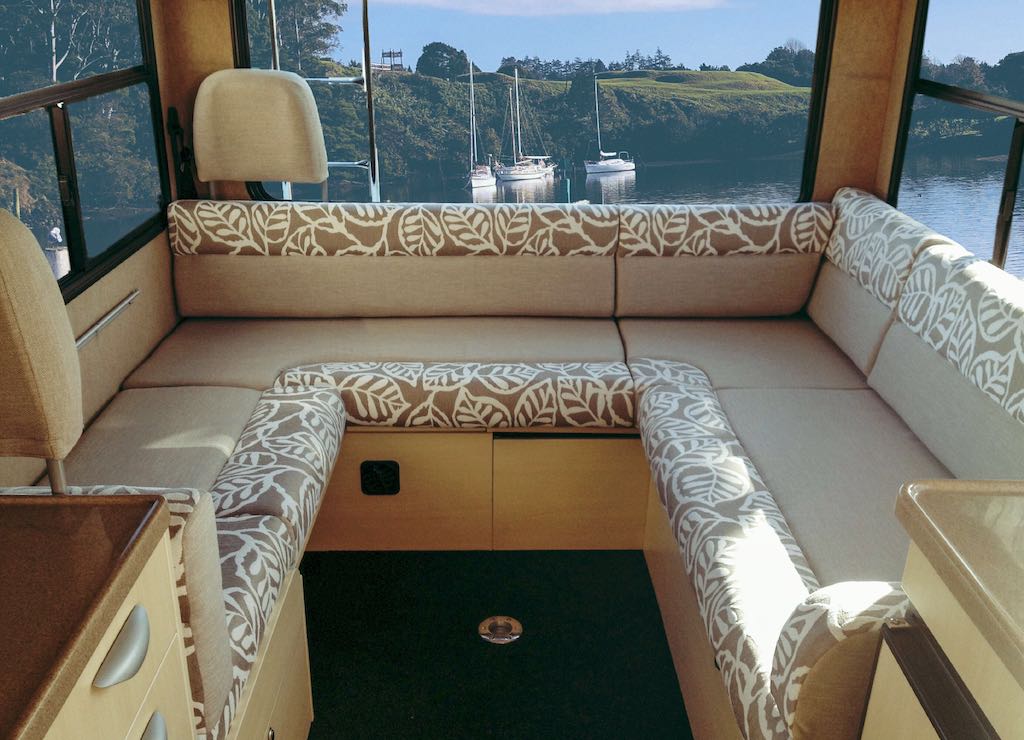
{"type": "Point", "coordinates": [109, 316]}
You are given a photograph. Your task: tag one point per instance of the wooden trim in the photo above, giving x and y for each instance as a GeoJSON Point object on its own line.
{"type": "Point", "coordinates": [72, 92]}
{"type": "Point", "coordinates": [909, 91]}
{"type": "Point", "coordinates": [942, 694]}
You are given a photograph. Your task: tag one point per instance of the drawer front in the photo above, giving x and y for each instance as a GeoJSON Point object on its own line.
{"type": "Point", "coordinates": [443, 502]}
{"type": "Point", "coordinates": [91, 712]}
{"type": "Point", "coordinates": [169, 698]}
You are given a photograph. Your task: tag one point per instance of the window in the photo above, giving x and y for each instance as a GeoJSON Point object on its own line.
{"type": "Point", "coordinates": [81, 160]}
{"type": "Point", "coordinates": [714, 102]}
{"type": "Point", "coordinates": [963, 132]}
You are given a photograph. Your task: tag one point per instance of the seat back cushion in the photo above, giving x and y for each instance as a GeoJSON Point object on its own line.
{"type": "Point", "coordinates": [953, 364]}
{"type": "Point", "coordinates": [314, 260]}
{"type": "Point", "coordinates": [718, 260]}
{"type": "Point", "coordinates": [868, 259]}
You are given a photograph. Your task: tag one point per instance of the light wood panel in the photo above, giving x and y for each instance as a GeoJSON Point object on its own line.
{"type": "Point", "coordinates": [279, 685]}
{"type": "Point", "coordinates": [893, 709]}
{"type": "Point", "coordinates": [444, 502]}
{"type": "Point", "coordinates": [991, 684]}
{"type": "Point", "coordinates": [569, 493]}
{"type": "Point", "coordinates": [90, 712]}
{"type": "Point", "coordinates": [707, 703]}
{"type": "Point", "coordinates": [169, 695]}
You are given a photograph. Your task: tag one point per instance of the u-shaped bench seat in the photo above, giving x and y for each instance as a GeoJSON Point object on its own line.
{"type": "Point", "coordinates": [788, 368]}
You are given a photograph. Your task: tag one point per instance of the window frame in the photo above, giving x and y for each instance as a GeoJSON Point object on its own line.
{"type": "Point", "coordinates": [54, 99]}
{"type": "Point", "coordinates": [915, 85]}
{"type": "Point", "coordinates": [825, 41]}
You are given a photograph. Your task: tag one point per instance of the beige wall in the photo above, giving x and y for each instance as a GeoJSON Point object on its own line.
{"type": "Point", "coordinates": [121, 346]}
{"type": "Point", "coordinates": [865, 95]}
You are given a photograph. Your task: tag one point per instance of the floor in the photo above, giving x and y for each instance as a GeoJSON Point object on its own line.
{"type": "Point", "coordinates": [394, 650]}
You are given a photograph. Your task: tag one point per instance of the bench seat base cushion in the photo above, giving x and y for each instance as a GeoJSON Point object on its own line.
{"type": "Point", "coordinates": [162, 437]}
{"type": "Point", "coordinates": [251, 353]}
{"type": "Point", "coordinates": [745, 353]}
{"type": "Point", "coordinates": [835, 461]}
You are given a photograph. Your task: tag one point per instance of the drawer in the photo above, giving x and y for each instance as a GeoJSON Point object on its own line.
{"type": "Point", "coordinates": [169, 697]}
{"type": "Point", "coordinates": [91, 712]}
{"type": "Point", "coordinates": [444, 500]}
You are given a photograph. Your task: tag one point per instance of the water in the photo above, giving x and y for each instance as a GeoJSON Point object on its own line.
{"type": "Point", "coordinates": [958, 197]}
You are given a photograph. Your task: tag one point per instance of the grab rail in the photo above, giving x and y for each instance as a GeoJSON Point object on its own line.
{"type": "Point", "coordinates": [109, 316]}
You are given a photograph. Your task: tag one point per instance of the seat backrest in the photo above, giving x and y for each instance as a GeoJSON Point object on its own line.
{"type": "Point", "coordinates": [255, 125]}
{"type": "Point", "coordinates": [41, 392]}
{"type": "Point", "coordinates": [952, 365]}
{"type": "Point", "coordinates": [867, 261]}
{"type": "Point", "coordinates": [336, 260]}
{"type": "Point", "coordinates": [718, 260]}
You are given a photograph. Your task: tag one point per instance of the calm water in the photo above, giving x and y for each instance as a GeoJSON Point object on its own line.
{"type": "Point", "coordinates": [958, 197]}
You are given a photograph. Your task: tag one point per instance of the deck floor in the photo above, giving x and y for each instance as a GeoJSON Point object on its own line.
{"type": "Point", "coordinates": [394, 651]}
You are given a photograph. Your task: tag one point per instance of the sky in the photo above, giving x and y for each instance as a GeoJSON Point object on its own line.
{"type": "Point", "coordinates": [692, 32]}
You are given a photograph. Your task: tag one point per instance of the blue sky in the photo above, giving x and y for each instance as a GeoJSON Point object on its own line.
{"type": "Point", "coordinates": [691, 31]}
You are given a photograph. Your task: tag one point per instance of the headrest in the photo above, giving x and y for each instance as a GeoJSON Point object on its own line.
{"type": "Point", "coordinates": [41, 392]}
{"type": "Point", "coordinates": [255, 125]}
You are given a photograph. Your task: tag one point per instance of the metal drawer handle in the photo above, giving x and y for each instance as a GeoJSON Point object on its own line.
{"type": "Point", "coordinates": [128, 652]}
{"type": "Point", "coordinates": [156, 729]}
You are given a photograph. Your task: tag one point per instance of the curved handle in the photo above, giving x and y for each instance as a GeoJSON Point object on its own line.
{"type": "Point", "coordinates": [156, 729]}
{"type": "Point", "coordinates": [126, 655]}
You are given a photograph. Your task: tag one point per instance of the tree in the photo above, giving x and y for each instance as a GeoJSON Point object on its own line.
{"type": "Point", "coordinates": [792, 63]}
{"type": "Point", "coordinates": [308, 32]}
{"type": "Point", "coordinates": [442, 60]}
{"type": "Point", "coordinates": [1007, 76]}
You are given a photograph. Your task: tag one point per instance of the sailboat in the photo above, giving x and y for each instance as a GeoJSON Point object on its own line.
{"type": "Point", "coordinates": [480, 175]}
{"type": "Point", "coordinates": [524, 167]}
{"type": "Point", "coordinates": [609, 161]}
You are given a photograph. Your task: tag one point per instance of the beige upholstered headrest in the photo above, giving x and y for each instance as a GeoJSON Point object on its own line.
{"type": "Point", "coordinates": [257, 124]}
{"type": "Point", "coordinates": [40, 382]}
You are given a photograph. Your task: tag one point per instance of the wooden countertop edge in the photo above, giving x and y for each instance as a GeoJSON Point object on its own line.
{"type": "Point", "coordinates": [46, 703]}
{"type": "Point", "coordinates": [995, 625]}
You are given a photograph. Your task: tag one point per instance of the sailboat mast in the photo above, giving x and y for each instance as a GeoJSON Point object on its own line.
{"type": "Point", "coordinates": [472, 119]}
{"type": "Point", "coordinates": [519, 121]}
{"type": "Point", "coordinates": [597, 117]}
{"type": "Point", "coordinates": [512, 123]}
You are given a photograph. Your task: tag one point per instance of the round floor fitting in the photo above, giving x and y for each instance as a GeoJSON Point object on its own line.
{"type": "Point", "coordinates": [500, 630]}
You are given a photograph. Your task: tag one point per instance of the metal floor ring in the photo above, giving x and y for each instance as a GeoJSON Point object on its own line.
{"type": "Point", "coordinates": [500, 630]}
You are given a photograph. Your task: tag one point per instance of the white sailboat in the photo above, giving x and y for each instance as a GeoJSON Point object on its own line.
{"type": "Point", "coordinates": [480, 175]}
{"type": "Point", "coordinates": [609, 161]}
{"type": "Point", "coordinates": [524, 166]}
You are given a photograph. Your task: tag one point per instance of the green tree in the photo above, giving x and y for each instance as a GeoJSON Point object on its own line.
{"type": "Point", "coordinates": [442, 60]}
{"type": "Point", "coordinates": [1008, 75]}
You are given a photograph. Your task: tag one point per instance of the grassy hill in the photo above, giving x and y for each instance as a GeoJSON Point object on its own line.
{"type": "Point", "coordinates": [659, 116]}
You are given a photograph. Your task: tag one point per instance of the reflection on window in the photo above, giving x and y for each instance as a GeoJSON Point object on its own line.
{"type": "Point", "coordinates": [720, 117]}
{"type": "Point", "coordinates": [976, 46]}
{"type": "Point", "coordinates": [115, 153]}
{"type": "Point", "coordinates": [1015, 255]}
{"type": "Point", "coordinates": [28, 184]}
{"type": "Point", "coordinates": [43, 42]}
{"type": "Point", "coordinates": [954, 169]}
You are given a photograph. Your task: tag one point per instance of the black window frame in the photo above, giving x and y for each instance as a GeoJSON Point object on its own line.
{"type": "Point", "coordinates": [916, 85]}
{"type": "Point", "coordinates": [54, 99]}
{"type": "Point", "coordinates": [827, 17]}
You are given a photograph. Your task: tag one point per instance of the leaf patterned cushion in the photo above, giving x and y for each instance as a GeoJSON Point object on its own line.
{"type": "Point", "coordinates": [718, 230]}
{"type": "Point", "coordinates": [746, 567]}
{"type": "Point", "coordinates": [284, 459]}
{"type": "Point", "coordinates": [972, 314]}
{"type": "Point", "coordinates": [473, 395]}
{"type": "Point", "coordinates": [391, 230]}
{"type": "Point", "coordinates": [876, 244]}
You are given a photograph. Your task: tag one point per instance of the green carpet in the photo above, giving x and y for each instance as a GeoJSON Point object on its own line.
{"type": "Point", "coordinates": [394, 651]}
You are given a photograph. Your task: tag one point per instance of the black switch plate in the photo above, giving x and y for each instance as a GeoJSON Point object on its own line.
{"type": "Point", "coordinates": [379, 477]}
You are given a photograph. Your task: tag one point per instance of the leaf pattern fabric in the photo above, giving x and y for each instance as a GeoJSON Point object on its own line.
{"type": "Point", "coordinates": [821, 622]}
{"type": "Point", "coordinates": [473, 395]}
{"type": "Point", "coordinates": [391, 230]}
{"type": "Point", "coordinates": [972, 314]}
{"type": "Point", "coordinates": [876, 244]}
{"type": "Point", "coordinates": [745, 566]}
{"type": "Point", "coordinates": [283, 460]}
{"type": "Point", "coordinates": [720, 230]}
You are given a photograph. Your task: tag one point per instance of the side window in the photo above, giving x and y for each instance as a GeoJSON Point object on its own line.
{"type": "Point", "coordinates": [80, 157]}
{"type": "Point", "coordinates": [964, 128]}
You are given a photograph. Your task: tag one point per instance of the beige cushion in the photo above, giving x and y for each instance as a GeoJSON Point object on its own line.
{"type": "Point", "coordinates": [20, 471]}
{"type": "Point", "coordinates": [251, 353]}
{"type": "Point", "coordinates": [850, 315]}
{"type": "Point", "coordinates": [745, 285]}
{"type": "Point", "coordinates": [834, 460]}
{"type": "Point", "coordinates": [745, 353]}
{"type": "Point", "coordinates": [167, 437]}
{"type": "Point", "coordinates": [41, 393]}
{"type": "Point", "coordinates": [253, 124]}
